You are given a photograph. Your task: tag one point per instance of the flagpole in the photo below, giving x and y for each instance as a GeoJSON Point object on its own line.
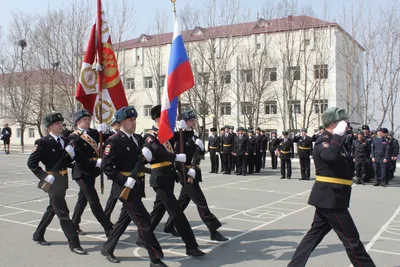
{"type": "Point", "coordinates": [99, 80]}
{"type": "Point", "coordinates": [179, 113]}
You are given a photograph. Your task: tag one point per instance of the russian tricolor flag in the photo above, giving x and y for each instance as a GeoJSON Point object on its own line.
{"type": "Point", "coordinates": [179, 80]}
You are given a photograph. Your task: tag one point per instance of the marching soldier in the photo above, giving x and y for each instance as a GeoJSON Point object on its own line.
{"type": "Point", "coordinates": [51, 151]}
{"type": "Point", "coordinates": [331, 196]}
{"type": "Point", "coordinates": [264, 148]}
{"type": "Point", "coordinates": [191, 178]}
{"type": "Point", "coordinates": [221, 148]}
{"type": "Point", "coordinates": [258, 149]}
{"type": "Point", "coordinates": [213, 144]}
{"type": "Point", "coordinates": [251, 150]}
{"type": "Point", "coordinates": [370, 167]}
{"type": "Point", "coordinates": [380, 156]}
{"type": "Point", "coordinates": [304, 150]}
{"type": "Point", "coordinates": [122, 154]}
{"type": "Point", "coordinates": [272, 151]}
{"type": "Point", "coordinates": [286, 153]}
{"type": "Point", "coordinates": [162, 179]}
{"type": "Point", "coordinates": [86, 169]}
{"type": "Point", "coordinates": [360, 153]}
{"type": "Point", "coordinates": [226, 143]}
{"type": "Point", "coordinates": [241, 144]}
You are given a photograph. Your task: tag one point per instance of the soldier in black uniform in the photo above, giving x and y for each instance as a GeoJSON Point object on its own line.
{"type": "Point", "coordinates": [221, 149]}
{"type": "Point", "coordinates": [304, 150]}
{"type": "Point", "coordinates": [122, 153]}
{"type": "Point", "coordinates": [272, 149]}
{"type": "Point", "coordinates": [191, 178]}
{"type": "Point", "coordinates": [213, 148]}
{"type": "Point", "coordinates": [360, 153]}
{"type": "Point", "coordinates": [264, 148]}
{"type": "Point", "coordinates": [321, 130]}
{"type": "Point", "coordinates": [233, 157]}
{"type": "Point", "coordinates": [226, 143]}
{"type": "Point", "coordinates": [162, 179]}
{"type": "Point", "coordinates": [347, 147]}
{"type": "Point", "coordinates": [370, 167]}
{"type": "Point", "coordinates": [65, 132]}
{"type": "Point", "coordinates": [258, 149]}
{"type": "Point", "coordinates": [86, 169]}
{"type": "Point", "coordinates": [251, 150]}
{"type": "Point", "coordinates": [241, 145]}
{"type": "Point", "coordinates": [286, 152]}
{"type": "Point", "coordinates": [331, 195]}
{"type": "Point", "coordinates": [55, 153]}
{"type": "Point", "coordinates": [394, 148]}
{"type": "Point", "coordinates": [381, 155]}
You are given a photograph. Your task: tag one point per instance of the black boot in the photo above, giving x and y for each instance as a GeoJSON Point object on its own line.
{"type": "Point", "coordinates": [217, 236]}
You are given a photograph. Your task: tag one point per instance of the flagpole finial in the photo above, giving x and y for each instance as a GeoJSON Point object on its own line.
{"type": "Point", "coordinates": [173, 4]}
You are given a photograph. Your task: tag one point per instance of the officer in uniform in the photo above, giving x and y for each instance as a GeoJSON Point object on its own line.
{"type": "Point", "coordinates": [347, 146]}
{"type": "Point", "coordinates": [258, 148]}
{"type": "Point", "coordinates": [251, 150]}
{"type": "Point", "coordinates": [360, 154]}
{"type": "Point", "coordinates": [55, 153]}
{"type": "Point", "coordinates": [86, 169]}
{"type": "Point", "coordinates": [122, 153]}
{"type": "Point", "coordinates": [272, 149]}
{"type": "Point", "coordinates": [226, 143]}
{"type": "Point", "coordinates": [304, 150]}
{"type": "Point", "coordinates": [321, 129]}
{"type": "Point", "coordinates": [241, 144]}
{"type": "Point", "coordinates": [162, 179]}
{"type": "Point", "coordinates": [370, 167]}
{"type": "Point", "coordinates": [286, 153]}
{"type": "Point", "coordinates": [213, 144]}
{"type": "Point", "coordinates": [191, 178]}
{"type": "Point", "coordinates": [233, 157]}
{"type": "Point", "coordinates": [221, 148]}
{"type": "Point", "coordinates": [381, 155]}
{"type": "Point", "coordinates": [264, 148]}
{"type": "Point", "coordinates": [331, 195]}
{"type": "Point", "coordinates": [394, 148]}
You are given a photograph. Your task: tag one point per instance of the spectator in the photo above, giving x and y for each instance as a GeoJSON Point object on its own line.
{"type": "Point", "coordinates": [6, 136]}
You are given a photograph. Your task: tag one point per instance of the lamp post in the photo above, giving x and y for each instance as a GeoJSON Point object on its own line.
{"type": "Point", "coordinates": [23, 44]}
{"type": "Point", "coordinates": [55, 68]}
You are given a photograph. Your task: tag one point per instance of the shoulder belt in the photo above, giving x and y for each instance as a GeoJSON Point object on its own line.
{"type": "Point", "coordinates": [91, 142]}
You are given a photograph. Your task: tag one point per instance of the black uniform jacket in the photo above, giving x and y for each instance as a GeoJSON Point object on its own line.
{"type": "Point", "coordinates": [48, 151]}
{"type": "Point", "coordinates": [213, 143]}
{"type": "Point", "coordinates": [226, 143]}
{"type": "Point", "coordinates": [119, 159]}
{"type": "Point", "coordinates": [330, 163]}
{"type": "Point", "coordinates": [304, 146]}
{"type": "Point", "coordinates": [285, 148]}
{"type": "Point", "coordinates": [241, 145]}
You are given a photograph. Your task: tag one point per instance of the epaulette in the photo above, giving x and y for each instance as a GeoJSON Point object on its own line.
{"type": "Point", "coordinates": [77, 132]}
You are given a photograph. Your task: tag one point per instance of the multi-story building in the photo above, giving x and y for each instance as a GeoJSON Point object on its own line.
{"type": "Point", "coordinates": [277, 74]}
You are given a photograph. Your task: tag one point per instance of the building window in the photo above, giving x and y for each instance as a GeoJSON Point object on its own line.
{"type": "Point", "coordinates": [294, 107]}
{"type": "Point", "coordinates": [148, 82]}
{"type": "Point", "coordinates": [204, 78]}
{"type": "Point", "coordinates": [226, 108]}
{"type": "Point", "coordinates": [270, 74]}
{"type": "Point", "coordinates": [247, 76]}
{"type": "Point", "coordinates": [271, 107]}
{"type": "Point", "coordinates": [130, 83]}
{"type": "Point", "coordinates": [185, 106]}
{"type": "Point", "coordinates": [268, 132]}
{"type": "Point", "coordinates": [294, 73]}
{"type": "Point", "coordinates": [226, 77]}
{"type": "Point", "coordinates": [246, 107]}
{"type": "Point", "coordinates": [147, 109]}
{"type": "Point", "coordinates": [306, 42]}
{"type": "Point", "coordinates": [321, 71]}
{"type": "Point", "coordinates": [19, 133]}
{"type": "Point", "coordinates": [320, 106]}
{"type": "Point", "coordinates": [258, 46]}
{"type": "Point", "coordinates": [162, 80]}
{"type": "Point", "coordinates": [31, 133]}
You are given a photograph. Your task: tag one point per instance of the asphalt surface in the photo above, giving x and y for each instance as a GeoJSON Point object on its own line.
{"type": "Point", "coordinates": [263, 216]}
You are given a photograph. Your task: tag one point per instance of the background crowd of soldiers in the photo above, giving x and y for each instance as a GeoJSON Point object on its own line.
{"type": "Point", "coordinates": [371, 154]}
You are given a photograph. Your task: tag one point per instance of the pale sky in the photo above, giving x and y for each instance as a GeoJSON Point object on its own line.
{"type": "Point", "coordinates": [145, 8]}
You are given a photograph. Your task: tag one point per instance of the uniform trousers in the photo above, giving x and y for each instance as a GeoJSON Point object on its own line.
{"type": "Point", "coordinates": [361, 169]}
{"type": "Point", "coordinates": [263, 157]}
{"type": "Point", "coordinates": [257, 161]}
{"type": "Point", "coordinates": [214, 161]}
{"type": "Point", "coordinates": [110, 205]}
{"type": "Point", "coordinates": [58, 206]}
{"type": "Point", "coordinates": [134, 210]}
{"type": "Point", "coordinates": [342, 223]}
{"type": "Point", "coordinates": [380, 169]}
{"type": "Point", "coordinates": [88, 193]}
{"type": "Point", "coordinates": [251, 158]}
{"type": "Point", "coordinates": [274, 160]}
{"type": "Point", "coordinates": [286, 165]}
{"type": "Point", "coordinates": [193, 192]}
{"type": "Point", "coordinates": [227, 161]}
{"type": "Point", "coordinates": [305, 167]}
{"type": "Point", "coordinates": [242, 164]}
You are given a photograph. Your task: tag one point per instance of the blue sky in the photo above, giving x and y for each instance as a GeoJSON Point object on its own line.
{"type": "Point", "coordinates": [144, 9]}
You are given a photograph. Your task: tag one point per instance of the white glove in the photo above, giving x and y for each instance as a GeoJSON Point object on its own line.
{"type": "Point", "coordinates": [192, 173]}
{"type": "Point", "coordinates": [102, 127]}
{"type": "Point", "coordinates": [340, 128]}
{"type": "Point", "coordinates": [98, 163]}
{"type": "Point", "coordinates": [130, 182]}
{"type": "Point", "coordinates": [217, 153]}
{"type": "Point", "coordinates": [147, 154]}
{"type": "Point", "coordinates": [50, 179]}
{"type": "Point", "coordinates": [181, 158]}
{"type": "Point", "coordinates": [182, 125]}
{"type": "Point", "coordinates": [70, 150]}
{"type": "Point", "coordinates": [200, 144]}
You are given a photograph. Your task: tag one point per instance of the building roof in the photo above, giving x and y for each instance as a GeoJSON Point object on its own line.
{"type": "Point", "coordinates": [289, 23]}
{"type": "Point", "coordinates": [37, 77]}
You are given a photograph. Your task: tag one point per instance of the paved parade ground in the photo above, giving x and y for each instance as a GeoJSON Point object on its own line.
{"type": "Point", "coordinates": [263, 216]}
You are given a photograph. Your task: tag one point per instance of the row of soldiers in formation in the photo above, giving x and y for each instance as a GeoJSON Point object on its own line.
{"type": "Point", "coordinates": [123, 162]}
{"type": "Point", "coordinates": [370, 154]}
